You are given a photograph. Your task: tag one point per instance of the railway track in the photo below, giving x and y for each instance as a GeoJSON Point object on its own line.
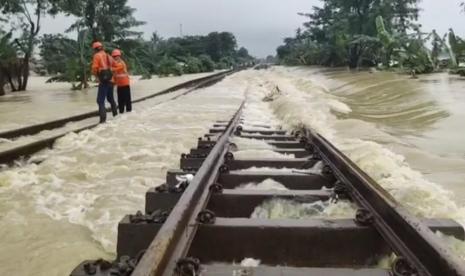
{"type": "Point", "coordinates": [199, 222]}
{"type": "Point", "coordinates": [9, 156]}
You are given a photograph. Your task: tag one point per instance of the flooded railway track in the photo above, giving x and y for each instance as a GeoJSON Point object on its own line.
{"type": "Point", "coordinates": [9, 156]}
{"type": "Point", "coordinates": [199, 222]}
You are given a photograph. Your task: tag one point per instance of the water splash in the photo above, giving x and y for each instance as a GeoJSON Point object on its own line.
{"type": "Point", "coordinates": [289, 209]}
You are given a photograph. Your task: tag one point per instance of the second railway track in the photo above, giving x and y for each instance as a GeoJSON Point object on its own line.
{"type": "Point", "coordinates": [199, 222]}
{"type": "Point", "coordinates": [24, 150]}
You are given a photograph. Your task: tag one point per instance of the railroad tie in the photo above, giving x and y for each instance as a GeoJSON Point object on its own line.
{"type": "Point", "coordinates": [200, 222]}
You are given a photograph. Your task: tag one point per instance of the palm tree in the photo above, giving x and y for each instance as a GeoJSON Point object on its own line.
{"type": "Point", "coordinates": [8, 60]}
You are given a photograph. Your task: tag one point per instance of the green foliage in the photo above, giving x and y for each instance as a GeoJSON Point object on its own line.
{"type": "Point", "coordinates": [107, 20]}
{"type": "Point", "coordinates": [112, 22]}
{"type": "Point", "coordinates": [191, 54]}
{"type": "Point", "coordinates": [457, 47]}
{"type": "Point", "coordinates": [28, 15]}
{"type": "Point", "coordinates": [55, 51]}
{"type": "Point", "coordinates": [359, 33]}
{"type": "Point", "coordinates": [7, 50]}
{"type": "Point", "coordinates": [219, 45]}
{"type": "Point", "coordinates": [67, 59]}
{"type": "Point", "coordinates": [207, 63]}
{"type": "Point", "coordinates": [168, 66]}
{"type": "Point", "coordinates": [193, 65]}
{"type": "Point", "coordinates": [7, 58]}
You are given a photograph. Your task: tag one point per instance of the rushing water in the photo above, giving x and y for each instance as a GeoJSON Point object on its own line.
{"type": "Point", "coordinates": [64, 210]}
{"type": "Point", "coordinates": [407, 134]}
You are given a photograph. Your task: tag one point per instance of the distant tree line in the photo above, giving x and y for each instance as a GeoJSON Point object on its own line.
{"type": "Point", "coordinates": [67, 57]}
{"type": "Point", "coordinates": [359, 33]}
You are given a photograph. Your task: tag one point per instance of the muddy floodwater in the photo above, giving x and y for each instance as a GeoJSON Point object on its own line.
{"type": "Point", "coordinates": [46, 102]}
{"type": "Point", "coordinates": [407, 134]}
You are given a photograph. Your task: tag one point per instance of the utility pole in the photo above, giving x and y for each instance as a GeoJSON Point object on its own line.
{"type": "Point", "coordinates": [180, 30]}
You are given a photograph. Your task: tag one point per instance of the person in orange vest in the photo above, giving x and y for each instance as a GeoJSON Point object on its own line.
{"type": "Point", "coordinates": [121, 78]}
{"type": "Point", "coordinates": [102, 69]}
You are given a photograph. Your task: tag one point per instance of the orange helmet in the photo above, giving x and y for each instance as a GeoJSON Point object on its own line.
{"type": "Point", "coordinates": [97, 45]}
{"type": "Point", "coordinates": [116, 53]}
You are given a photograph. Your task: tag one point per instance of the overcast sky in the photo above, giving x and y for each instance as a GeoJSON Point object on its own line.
{"type": "Point", "coordinates": [259, 25]}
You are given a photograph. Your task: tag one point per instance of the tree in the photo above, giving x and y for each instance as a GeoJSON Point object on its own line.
{"type": "Point", "coordinates": [193, 65]}
{"type": "Point", "coordinates": [207, 63]}
{"type": "Point", "coordinates": [55, 50]}
{"type": "Point", "coordinates": [67, 59]}
{"type": "Point", "coordinates": [8, 60]}
{"type": "Point", "coordinates": [29, 14]}
{"type": "Point", "coordinates": [388, 41]}
{"type": "Point", "coordinates": [219, 45]}
{"type": "Point", "coordinates": [107, 20]}
{"type": "Point", "coordinates": [349, 32]}
{"type": "Point", "coordinates": [405, 13]}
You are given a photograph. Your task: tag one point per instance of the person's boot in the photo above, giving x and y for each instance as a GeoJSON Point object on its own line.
{"type": "Point", "coordinates": [114, 110]}
{"type": "Point", "coordinates": [103, 114]}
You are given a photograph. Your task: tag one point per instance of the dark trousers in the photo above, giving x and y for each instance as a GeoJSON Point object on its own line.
{"type": "Point", "coordinates": [105, 91]}
{"type": "Point", "coordinates": [124, 98]}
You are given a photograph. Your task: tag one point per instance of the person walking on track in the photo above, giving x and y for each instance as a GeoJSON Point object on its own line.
{"type": "Point", "coordinates": [101, 68]}
{"type": "Point", "coordinates": [121, 77]}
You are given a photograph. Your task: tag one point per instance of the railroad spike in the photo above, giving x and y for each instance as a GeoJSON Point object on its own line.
{"type": "Point", "coordinates": [364, 217]}
{"type": "Point", "coordinates": [216, 188]}
{"type": "Point", "coordinates": [206, 217]}
{"type": "Point", "coordinates": [233, 147]}
{"type": "Point", "coordinates": [188, 267]}
{"type": "Point", "coordinates": [327, 170]}
{"type": "Point", "coordinates": [90, 268]}
{"type": "Point", "coordinates": [402, 267]}
{"type": "Point", "coordinates": [238, 131]}
{"type": "Point", "coordinates": [229, 156]}
{"type": "Point", "coordinates": [158, 217]}
{"type": "Point", "coordinates": [224, 168]}
{"type": "Point", "coordinates": [341, 190]}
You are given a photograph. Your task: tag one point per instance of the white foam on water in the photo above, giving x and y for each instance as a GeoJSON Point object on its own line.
{"type": "Point", "coordinates": [250, 262]}
{"type": "Point", "coordinates": [90, 180]}
{"type": "Point", "coordinates": [304, 104]}
{"type": "Point", "coordinates": [289, 209]}
{"type": "Point", "coordinates": [268, 184]}
{"type": "Point", "coordinates": [457, 246]}
{"type": "Point", "coordinates": [316, 169]}
{"type": "Point", "coordinates": [250, 144]}
{"type": "Point", "coordinates": [261, 154]}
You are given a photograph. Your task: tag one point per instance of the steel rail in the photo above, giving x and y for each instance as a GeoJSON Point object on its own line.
{"type": "Point", "coordinates": [208, 222]}
{"type": "Point", "coordinates": [178, 231]}
{"type": "Point", "coordinates": [34, 129]}
{"type": "Point", "coordinates": [406, 234]}
{"type": "Point", "coordinates": [9, 156]}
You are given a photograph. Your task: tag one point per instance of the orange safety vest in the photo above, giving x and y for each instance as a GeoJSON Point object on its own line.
{"type": "Point", "coordinates": [101, 61]}
{"type": "Point", "coordinates": [120, 73]}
